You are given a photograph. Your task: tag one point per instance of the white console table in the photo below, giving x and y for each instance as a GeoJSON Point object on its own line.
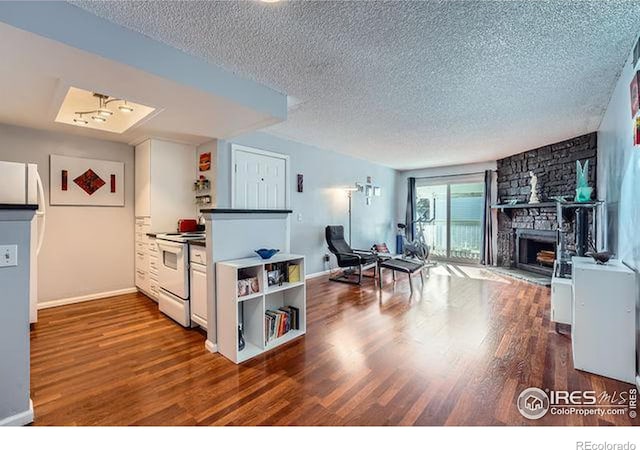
{"type": "Point", "coordinates": [604, 318]}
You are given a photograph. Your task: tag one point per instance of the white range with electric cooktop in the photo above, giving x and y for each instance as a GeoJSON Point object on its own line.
{"type": "Point", "coordinates": [173, 275]}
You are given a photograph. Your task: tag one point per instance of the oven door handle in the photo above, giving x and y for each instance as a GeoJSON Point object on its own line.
{"type": "Point", "coordinates": [171, 247]}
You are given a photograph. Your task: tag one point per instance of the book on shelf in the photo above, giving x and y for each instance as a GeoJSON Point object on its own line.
{"type": "Point", "coordinates": [279, 322]}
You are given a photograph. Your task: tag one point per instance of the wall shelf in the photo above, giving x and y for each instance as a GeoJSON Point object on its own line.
{"type": "Point", "coordinates": [249, 310]}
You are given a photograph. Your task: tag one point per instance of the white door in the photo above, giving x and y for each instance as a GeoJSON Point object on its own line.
{"type": "Point", "coordinates": [260, 180]}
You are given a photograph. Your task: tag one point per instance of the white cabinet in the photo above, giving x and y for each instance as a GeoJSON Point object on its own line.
{"type": "Point", "coordinates": [143, 179]}
{"type": "Point", "coordinates": [164, 176]}
{"type": "Point", "coordinates": [561, 298]}
{"type": "Point", "coordinates": [165, 173]}
{"type": "Point", "coordinates": [604, 319]}
{"type": "Point", "coordinates": [199, 294]}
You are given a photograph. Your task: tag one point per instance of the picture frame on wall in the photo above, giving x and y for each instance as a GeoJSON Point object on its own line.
{"type": "Point", "coordinates": [634, 93]}
{"type": "Point", "coordinates": [85, 182]}
{"type": "Point", "coordinates": [300, 184]}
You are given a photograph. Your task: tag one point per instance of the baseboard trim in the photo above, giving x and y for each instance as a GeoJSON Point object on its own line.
{"type": "Point", "coordinates": [213, 348]}
{"type": "Point", "coordinates": [85, 298]}
{"type": "Point", "coordinates": [317, 274]}
{"type": "Point", "coordinates": [20, 419]}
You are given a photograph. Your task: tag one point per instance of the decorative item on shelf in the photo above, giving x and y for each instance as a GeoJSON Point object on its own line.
{"type": "Point", "coordinates": [248, 286]}
{"type": "Point", "coordinates": [266, 253]}
{"type": "Point", "coordinates": [274, 277]}
{"type": "Point", "coordinates": [560, 198]}
{"type": "Point", "coordinates": [300, 182]}
{"type": "Point", "coordinates": [201, 184]}
{"type": "Point", "coordinates": [533, 198]}
{"type": "Point", "coordinates": [512, 201]}
{"type": "Point", "coordinates": [205, 162]}
{"type": "Point", "coordinates": [377, 192]}
{"type": "Point", "coordinates": [598, 257]}
{"type": "Point", "coordinates": [203, 200]}
{"type": "Point", "coordinates": [583, 191]}
{"type": "Point", "coordinates": [241, 342]}
{"type": "Point", "coordinates": [294, 273]}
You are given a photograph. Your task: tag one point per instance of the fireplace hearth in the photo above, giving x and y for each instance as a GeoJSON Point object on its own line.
{"type": "Point", "coordinates": [535, 250]}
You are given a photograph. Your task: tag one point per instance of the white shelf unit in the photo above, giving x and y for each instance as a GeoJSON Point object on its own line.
{"type": "Point", "coordinates": [249, 310]}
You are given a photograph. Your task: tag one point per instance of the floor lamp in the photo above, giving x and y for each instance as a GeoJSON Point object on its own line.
{"type": "Point", "coordinates": [350, 191]}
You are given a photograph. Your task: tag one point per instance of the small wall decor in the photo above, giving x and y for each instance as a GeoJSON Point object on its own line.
{"type": "Point", "coordinates": [205, 161]}
{"type": "Point", "coordinates": [377, 192]}
{"type": "Point", "coordinates": [300, 182]}
{"type": "Point", "coordinates": [88, 180]}
{"type": "Point", "coordinates": [635, 94]}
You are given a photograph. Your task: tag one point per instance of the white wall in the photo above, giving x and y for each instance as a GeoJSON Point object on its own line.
{"type": "Point", "coordinates": [323, 202]}
{"type": "Point", "coordinates": [87, 250]}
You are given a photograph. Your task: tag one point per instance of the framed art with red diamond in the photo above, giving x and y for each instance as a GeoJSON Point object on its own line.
{"type": "Point", "coordinates": [86, 182]}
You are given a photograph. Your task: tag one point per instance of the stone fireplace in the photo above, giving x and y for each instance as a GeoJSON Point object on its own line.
{"type": "Point", "coordinates": [535, 250]}
{"type": "Point", "coordinates": [526, 231]}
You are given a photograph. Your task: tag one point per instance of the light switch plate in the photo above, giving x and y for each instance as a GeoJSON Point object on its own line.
{"type": "Point", "coordinates": [8, 255]}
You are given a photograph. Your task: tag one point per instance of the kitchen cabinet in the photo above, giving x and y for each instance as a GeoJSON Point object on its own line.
{"type": "Point", "coordinates": [198, 278]}
{"type": "Point", "coordinates": [164, 176]}
{"type": "Point", "coordinates": [199, 294]}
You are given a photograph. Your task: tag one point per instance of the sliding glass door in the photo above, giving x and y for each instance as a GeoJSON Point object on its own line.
{"type": "Point", "coordinates": [449, 214]}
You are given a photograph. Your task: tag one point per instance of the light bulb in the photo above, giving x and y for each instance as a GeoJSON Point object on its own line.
{"type": "Point", "coordinates": [80, 121]}
{"type": "Point", "coordinates": [99, 119]}
{"type": "Point", "coordinates": [105, 112]}
{"type": "Point", "coordinates": [125, 108]}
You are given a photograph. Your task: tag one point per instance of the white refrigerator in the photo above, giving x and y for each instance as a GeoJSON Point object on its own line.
{"type": "Point", "coordinates": [21, 184]}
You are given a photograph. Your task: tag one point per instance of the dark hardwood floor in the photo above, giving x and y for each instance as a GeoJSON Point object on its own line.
{"type": "Point", "coordinates": [458, 352]}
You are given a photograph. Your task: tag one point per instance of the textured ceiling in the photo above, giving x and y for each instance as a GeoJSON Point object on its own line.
{"type": "Point", "coordinates": [411, 84]}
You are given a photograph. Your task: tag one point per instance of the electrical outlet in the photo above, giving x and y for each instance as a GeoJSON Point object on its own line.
{"type": "Point", "coordinates": [8, 255]}
{"type": "Point", "coordinates": [326, 257]}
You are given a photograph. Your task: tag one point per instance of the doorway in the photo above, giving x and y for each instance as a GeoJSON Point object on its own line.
{"type": "Point", "coordinates": [454, 228]}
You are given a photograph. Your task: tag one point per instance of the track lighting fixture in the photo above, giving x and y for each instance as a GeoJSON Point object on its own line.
{"type": "Point", "coordinates": [102, 113]}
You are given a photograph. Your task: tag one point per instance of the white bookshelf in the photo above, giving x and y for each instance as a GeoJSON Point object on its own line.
{"type": "Point", "coordinates": [250, 309]}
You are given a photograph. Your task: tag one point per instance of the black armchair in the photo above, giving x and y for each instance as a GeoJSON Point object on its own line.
{"type": "Point", "coordinates": [347, 257]}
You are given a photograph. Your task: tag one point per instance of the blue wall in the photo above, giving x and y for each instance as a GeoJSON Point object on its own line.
{"type": "Point", "coordinates": [323, 202]}
{"type": "Point", "coordinates": [619, 178]}
{"type": "Point", "coordinates": [619, 173]}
